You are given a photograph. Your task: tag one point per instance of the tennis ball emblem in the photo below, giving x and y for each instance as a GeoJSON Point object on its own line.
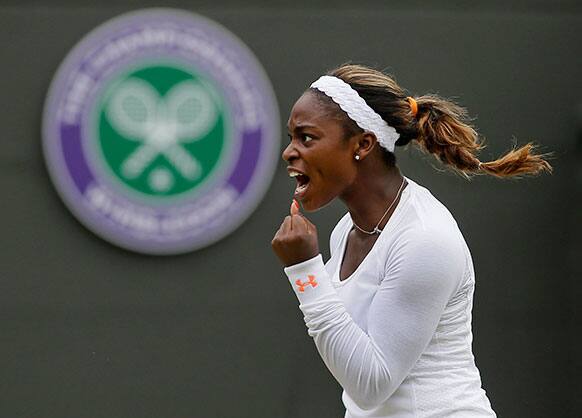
{"type": "Point", "coordinates": [161, 138]}
{"type": "Point", "coordinates": [161, 131]}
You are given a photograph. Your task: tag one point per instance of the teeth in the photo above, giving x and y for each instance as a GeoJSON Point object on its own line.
{"type": "Point", "coordinates": [294, 174]}
{"type": "Point", "coordinates": [300, 189]}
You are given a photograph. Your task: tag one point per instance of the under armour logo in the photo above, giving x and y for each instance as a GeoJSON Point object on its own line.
{"type": "Point", "coordinates": [301, 285]}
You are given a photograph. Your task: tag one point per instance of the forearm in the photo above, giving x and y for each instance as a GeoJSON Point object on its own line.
{"type": "Point", "coordinates": [349, 353]}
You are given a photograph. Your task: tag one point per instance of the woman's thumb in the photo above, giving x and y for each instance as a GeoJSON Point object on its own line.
{"type": "Point", "coordinates": [294, 210]}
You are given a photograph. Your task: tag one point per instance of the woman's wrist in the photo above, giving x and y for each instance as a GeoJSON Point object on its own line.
{"type": "Point", "coordinates": [310, 280]}
{"type": "Point", "coordinates": [315, 261]}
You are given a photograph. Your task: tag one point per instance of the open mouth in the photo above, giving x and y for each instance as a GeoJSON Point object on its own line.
{"type": "Point", "coordinates": [302, 183]}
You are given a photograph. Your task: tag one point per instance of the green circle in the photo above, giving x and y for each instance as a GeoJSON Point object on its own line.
{"type": "Point", "coordinates": [160, 175]}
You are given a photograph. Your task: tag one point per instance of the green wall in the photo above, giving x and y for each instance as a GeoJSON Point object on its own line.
{"type": "Point", "coordinates": [90, 330]}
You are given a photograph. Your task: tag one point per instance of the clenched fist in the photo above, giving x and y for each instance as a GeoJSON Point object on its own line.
{"type": "Point", "coordinates": [296, 239]}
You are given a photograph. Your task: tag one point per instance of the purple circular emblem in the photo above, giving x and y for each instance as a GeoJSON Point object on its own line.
{"type": "Point", "coordinates": [161, 131]}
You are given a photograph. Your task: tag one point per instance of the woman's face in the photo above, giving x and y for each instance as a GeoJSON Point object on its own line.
{"type": "Point", "coordinates": [319, 157]}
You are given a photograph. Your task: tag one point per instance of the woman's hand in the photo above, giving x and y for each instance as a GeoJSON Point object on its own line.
{"type": "Point", "coordinates": [296, 239]}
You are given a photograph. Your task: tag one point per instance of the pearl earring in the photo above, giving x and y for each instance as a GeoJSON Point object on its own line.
{"type": "Point", "coordinates": [357, 157]}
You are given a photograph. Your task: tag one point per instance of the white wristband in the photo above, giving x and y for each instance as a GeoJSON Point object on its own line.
{"type": "Point", "coordinates": [310, 280]}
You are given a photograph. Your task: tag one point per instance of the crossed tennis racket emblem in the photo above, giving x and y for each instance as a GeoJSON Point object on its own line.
{"type": "Point", "coordinates": [161, 124]}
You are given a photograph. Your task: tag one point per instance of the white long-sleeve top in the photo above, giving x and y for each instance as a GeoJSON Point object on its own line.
{"type": "Point", "coordinates": [396, 334]}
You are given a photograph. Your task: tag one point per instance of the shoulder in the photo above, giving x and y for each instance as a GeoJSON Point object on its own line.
{"type": "Point", "coordinates": [427, 211]}
{"type": "Point", "coordinates": [419, 260]}
{"type": "Point", "coordinates": [426, 223]}
{"type": "Point", "coordinates": [427, 241]}
{"type": "Point", "coordinates": [421, 242]}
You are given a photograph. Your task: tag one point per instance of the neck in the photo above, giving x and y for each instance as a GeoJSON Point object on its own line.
{"type": "Point", "coordinates": [370, 196]}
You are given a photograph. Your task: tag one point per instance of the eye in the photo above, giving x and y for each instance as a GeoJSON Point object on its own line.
{"type": "Point", "coordinates": [307, 138]}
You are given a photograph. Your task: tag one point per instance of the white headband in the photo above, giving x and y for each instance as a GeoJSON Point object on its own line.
{"type": "Point", "coordinates": [357, 109]}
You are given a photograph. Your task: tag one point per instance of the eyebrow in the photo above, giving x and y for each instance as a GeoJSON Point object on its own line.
{"type": "Point", "coordinates": [302, 127]}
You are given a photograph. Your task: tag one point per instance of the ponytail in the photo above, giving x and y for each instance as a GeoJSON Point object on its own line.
{"type": "Point", "coordinates": [444, 131]}
{"type": "Point", "coordinates": [440, 127]}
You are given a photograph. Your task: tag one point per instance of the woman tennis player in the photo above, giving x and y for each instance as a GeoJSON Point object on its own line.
{"type": "Point", "coordinates": [390, 311]}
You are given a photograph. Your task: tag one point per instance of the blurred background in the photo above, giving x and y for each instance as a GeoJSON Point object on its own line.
{"type": "Point", "coordinates": [91, 330]}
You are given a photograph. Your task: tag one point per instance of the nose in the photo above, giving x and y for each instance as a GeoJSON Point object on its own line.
{"type": "Point", "coordinates": [289, 153]}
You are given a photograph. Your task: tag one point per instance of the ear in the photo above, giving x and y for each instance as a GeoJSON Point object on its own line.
{"type": "Point", "coordinates": [365, 143]}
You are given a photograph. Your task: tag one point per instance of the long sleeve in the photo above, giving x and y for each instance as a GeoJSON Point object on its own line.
{"type": "Point", "coordinates": [420, 275]}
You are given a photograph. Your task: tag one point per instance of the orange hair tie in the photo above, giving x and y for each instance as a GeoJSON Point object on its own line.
{"type": "Point", "coordinates": [413, 105]}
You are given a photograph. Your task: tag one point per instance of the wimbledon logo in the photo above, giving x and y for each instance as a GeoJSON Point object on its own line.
{"type": "Point", "coordinates": [161, 132]}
